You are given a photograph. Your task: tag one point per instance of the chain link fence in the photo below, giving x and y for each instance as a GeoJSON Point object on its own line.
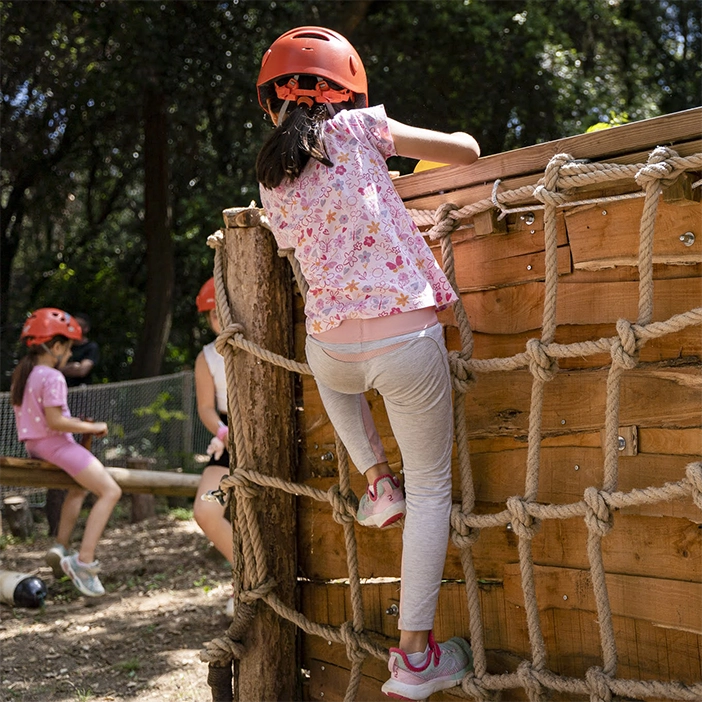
{"type": "Point", "coordinates": [152, 418]}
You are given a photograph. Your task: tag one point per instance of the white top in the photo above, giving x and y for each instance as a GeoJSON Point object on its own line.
{"type": "Point", "coordinates": [215, 362]}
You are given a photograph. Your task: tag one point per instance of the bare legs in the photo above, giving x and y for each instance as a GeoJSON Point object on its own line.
{"type": "Point", "coordinates": [97, 480]}
{"type": "Point", "coordinates": [210, 515]}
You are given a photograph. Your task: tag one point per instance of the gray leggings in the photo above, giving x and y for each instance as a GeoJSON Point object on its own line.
{"type": "Point", "coordinates": [414, 381]}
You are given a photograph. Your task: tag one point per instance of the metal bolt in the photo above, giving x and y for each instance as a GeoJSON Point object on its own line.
{"type": "Point", "coordinates": [528, 218]}
{"type": "Point", "coordinates": [688, 238]}
{"type": "Point", "coordinates": [329, 642]}
{"type": "Point", "coordinates": [577, 467]}
{"type": "Point", "coordinates": [509, 526]}
{"type": "Point", "coordinates": [322, 667]}
{"type": "Point", "coordinates": [565, 597]}
{"type": "Point", "coordinates": [621, 443]}
{"type": "Point", "coordinates": [328, 456]}
{"type": "Point", "coordinates": [532, 231]}
{"type": "Point", "coordinates": [562, 421]}
{"type": "Point", "coordinates": [393, 610]}
{"type": "Point", "coordinates": [529, 267]}
{"type": "Point", "coordinates": [321, 694]}
{"type": "Point", "coordinates": [604, 212]}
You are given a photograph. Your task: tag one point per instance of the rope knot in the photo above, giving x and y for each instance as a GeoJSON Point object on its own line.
{"type": "Point", "coordinates": [222, 650]}
{"type": "Point", "coordinates": [229, 333]}
{"type": "Point", "coordinates": [625, 350]}
{"type": "Point", "coordinates": [524, 525]}
{"type": "Point", "coordinates": [461, 375]}
{"type": "Point", "coordinates": [534, 689]}
{"type": "Point", "coordinates": [259, 592]}
{"type": "Point", "coordinates": [445, 221]}
{"type": "Point", "coordinates": [240, 482]}
{"type": "Point", "coordinates": [693, 471]}
{"type": "Point", "coordinates": [657, 168]}
{"type": "Point", "coordinates": [462, 535]}
{"type": "Point", "coordinates": [598, 683]}
{"type": "Point", "coordinates": [343, 508]}
{"type": "Point", "coordinates": [473, 687]}
{"type": "Point", "coordinates": [354, 650]}
{"type": "Point", "coordinates": [598, 515]}
{"type": "Point", "coordinates": [547, 190]}
{"type": "Point", "coordinates": [541, 365]}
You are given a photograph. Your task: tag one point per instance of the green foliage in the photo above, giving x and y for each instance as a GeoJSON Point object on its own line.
{"type": "Point", "coordinates": [159, 413]}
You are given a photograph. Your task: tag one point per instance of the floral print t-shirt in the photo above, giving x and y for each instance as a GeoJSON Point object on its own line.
{"type": "Point", "coordinates": [46, 387]}
{"type": "Point", "coordinates": [358, 247]}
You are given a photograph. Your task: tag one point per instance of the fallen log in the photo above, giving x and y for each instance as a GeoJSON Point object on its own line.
{"type": "Point", "coordinates": [30, 472]}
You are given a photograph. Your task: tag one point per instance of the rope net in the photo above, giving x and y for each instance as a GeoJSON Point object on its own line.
{"type": "Point", "coordinates": [523, 513]}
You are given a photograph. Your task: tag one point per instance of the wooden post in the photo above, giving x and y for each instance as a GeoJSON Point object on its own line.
{"type": "Point", "coordinates": [143, 505]}
{"type": "Point", "coordinates": [259, 291]}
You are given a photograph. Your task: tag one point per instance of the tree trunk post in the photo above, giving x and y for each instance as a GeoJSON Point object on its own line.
{"type": "Point", "coordinates": [18, 516]}
{"type": "Point", "coordinates": [143, 505]}
{"type": "Point", "coordinates": [259, 293]}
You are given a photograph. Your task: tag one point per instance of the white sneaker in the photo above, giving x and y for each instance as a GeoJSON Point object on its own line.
{"type": "Point", "coordinates": [84, 577]}
{"type": "Point", "coordinates": [444, 667]}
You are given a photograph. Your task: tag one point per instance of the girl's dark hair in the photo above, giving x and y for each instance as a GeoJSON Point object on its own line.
{"type": "Point", "coordinates": [24, 368]}
{"type": "Point", "coordinates": [289, 148]}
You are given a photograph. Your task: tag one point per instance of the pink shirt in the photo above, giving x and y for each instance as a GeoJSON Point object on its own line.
{"type": "Point", "coordinates": [46, 387]}
{"type": "Point", "coordinates": [359, 250]}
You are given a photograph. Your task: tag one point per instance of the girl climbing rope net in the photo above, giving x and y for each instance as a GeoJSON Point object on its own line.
{"type": "Point", "coordinates": [374, 288]}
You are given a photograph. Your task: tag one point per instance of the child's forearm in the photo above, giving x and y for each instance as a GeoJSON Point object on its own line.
{"type": "Point", "coordinates": [72, 425]}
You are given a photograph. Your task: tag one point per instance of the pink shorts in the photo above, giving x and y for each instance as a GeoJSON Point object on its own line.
{"type": "Point", "coordinates": [62, 452]}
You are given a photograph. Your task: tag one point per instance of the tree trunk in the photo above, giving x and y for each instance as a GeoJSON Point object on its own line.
{"type": "Point", "coordinates": [260, 298]}
{"type": "Point", "coordinates": [160, 266]}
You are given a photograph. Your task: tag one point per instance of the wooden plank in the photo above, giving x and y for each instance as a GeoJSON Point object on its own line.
{"type": "Point", "coordinates": [603, 236]}
{"type": "Point", "coordinates": [685, 344]}
{"type": "Point", "coordinates": [566, 472]}
{"type": "Point", "coordinates": [27, 472]}
{"type": "Point", "coordinates": [640, 544]}
{"type": "Point", "coordinates": [466, 189]}
{"type": "Point", "coordinates": [575, 401]}
{"type": "Point", "coordinates": [664, 603]}
{"type": "Point", "coordinates": [519, 308]}
{"type": "Point", "coordinates": [600, 145]}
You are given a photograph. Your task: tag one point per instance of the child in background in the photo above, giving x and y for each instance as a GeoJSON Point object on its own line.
{"type": "Point", "coordinates": [44, 423]}
{"type": "Point", "coordinates": [374, 288]}
{"type": "Point", "coordinates": [211, 394]}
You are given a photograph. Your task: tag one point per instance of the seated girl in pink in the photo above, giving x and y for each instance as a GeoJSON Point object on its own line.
{"type": "Point", "coordinates": [44, 424]}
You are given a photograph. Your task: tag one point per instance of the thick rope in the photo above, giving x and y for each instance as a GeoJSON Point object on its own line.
{"type": "Point", "coordinates": [252, 583]}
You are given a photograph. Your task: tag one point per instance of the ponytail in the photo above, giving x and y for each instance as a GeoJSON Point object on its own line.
{"type": "Point", "coordinates": [21, 373]}
{"type": "Point", "coordinates": [289, 148]}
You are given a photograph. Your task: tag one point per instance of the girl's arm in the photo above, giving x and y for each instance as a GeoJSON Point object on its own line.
{"type": "Point", "coordinates": [426, 144]}
{"type": "Point", "coordinates": [58, 422]}
{"type": "Point", "coordinates": [205, 395]}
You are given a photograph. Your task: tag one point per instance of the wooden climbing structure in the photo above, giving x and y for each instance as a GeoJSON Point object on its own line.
{"type": "Point", "coordinates": [575, 566]}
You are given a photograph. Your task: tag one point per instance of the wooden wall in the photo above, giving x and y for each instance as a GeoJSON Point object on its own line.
{"type": "Point", "coordinates": [653, 556]}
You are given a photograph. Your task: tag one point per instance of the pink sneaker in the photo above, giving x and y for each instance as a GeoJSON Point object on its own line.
{"type": "Point", "coordinates": [384, 505]}
{"type": "Point", "coordinates": [445, 666]}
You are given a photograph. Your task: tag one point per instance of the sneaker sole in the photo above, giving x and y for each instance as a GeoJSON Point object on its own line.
{"type": "Point", "coordinates": [402, 691]}
{"type": "Point", "coordinates": [385, 518]}
{"type": "Point", "coordinates": [66, 567]}
{"type": "Point", "coordinates": [53, 560]}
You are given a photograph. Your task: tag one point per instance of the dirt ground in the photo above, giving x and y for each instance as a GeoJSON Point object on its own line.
{"type": "Point", "coordinates": [166, 591]}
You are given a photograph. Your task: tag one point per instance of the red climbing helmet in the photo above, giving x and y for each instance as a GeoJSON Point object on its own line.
{"type": "Point", "coordinates": [46, 323]}
{"type": "Point", "coordinates": [205, 299]}
{"type": "Point", "coordinates": [315, 51]}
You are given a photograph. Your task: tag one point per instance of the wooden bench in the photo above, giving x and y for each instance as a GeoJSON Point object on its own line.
{"type": "Point", "coordinates": [30, 472]}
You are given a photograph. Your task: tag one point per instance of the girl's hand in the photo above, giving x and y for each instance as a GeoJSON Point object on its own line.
{"type": "Point", "coordinates": [99, 429]}
{"type": "Point", "coordinates": [216, 448]}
